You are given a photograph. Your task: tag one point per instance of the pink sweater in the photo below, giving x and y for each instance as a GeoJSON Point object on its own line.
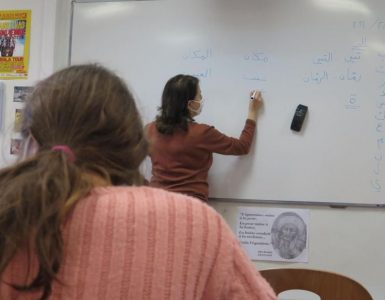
{"type": "Point", "coordinates": [143, 243]}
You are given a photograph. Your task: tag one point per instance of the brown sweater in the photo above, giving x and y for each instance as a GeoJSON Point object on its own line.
{"type": "Point", "coordinates": [181, 161]}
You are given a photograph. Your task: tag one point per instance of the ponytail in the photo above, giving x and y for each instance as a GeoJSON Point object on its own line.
{"type": "Point", "coordinates": [34, 194]}
{"type": "Point", "coordinates": [85, 125]}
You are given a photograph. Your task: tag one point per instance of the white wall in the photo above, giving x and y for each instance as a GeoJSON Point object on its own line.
{"type": "Point", "coordinates": [62, 34]}
{"type": "Point", "coordinates": [349, 241]}
{"type": "Point", "coordinates": [40, 62]}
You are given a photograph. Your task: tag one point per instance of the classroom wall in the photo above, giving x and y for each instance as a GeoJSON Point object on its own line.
{"type": "Point", "coordinates": [349, 241]}
{"type": "Point", "coordinates": [40, 63]}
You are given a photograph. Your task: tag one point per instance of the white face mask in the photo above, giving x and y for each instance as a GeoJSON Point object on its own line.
{"type": "Point", "coordinates": [198, 110]}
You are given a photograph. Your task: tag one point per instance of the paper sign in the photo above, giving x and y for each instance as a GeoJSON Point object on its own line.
{"type": "Point", "coordinates": [274, 234]}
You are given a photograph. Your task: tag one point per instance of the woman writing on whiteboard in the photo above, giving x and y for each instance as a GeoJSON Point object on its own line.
{"type": "Point", "coordinates": [181, 150]}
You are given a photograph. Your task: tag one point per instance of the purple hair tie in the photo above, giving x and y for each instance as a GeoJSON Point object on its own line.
{"type": "Point", "coordinates": [65, 149]}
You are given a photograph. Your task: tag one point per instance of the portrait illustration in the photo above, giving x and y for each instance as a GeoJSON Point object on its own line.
{"type": "Point", "coordinates": [289, 235]}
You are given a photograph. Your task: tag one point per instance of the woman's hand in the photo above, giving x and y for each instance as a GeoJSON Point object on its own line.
{"type": "Point", "coordinates": [254, 104]}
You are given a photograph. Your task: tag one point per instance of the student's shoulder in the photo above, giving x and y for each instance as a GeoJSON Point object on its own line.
{"type": "Point", "coordinates": [193, 217]}
{"type": "Point", "coordinates": [141, 193]}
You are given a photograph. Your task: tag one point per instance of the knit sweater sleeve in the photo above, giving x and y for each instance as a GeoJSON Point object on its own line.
{"type": "Point", "coordinates": [245, 281]}
{"type": "Point", "coordinates": [233, 276]}
{"type": "Point", "coordinates": [217, 142]}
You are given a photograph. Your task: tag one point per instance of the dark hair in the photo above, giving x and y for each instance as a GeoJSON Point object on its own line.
{"type": "Point", "coordinates": [90, 110]}
{"type": "Point", "coordinates": [174, 111]}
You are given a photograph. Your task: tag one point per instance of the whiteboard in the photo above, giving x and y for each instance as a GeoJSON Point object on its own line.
{"type": "Point", "coordinates": [328, 55]}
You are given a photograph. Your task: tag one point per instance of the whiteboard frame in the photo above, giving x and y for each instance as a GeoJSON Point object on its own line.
{"type": "Point", "coordinates": [300, 203]}
{"type": "Point", "coordinates": [94, 1]}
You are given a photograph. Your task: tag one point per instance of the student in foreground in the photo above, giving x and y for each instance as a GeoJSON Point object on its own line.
{"type": "Point", "coordinates": [76, 224]}
{"type": "Point", "coordinates": [181, 150]}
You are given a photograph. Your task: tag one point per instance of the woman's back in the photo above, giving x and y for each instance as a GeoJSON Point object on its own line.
{"type": "Point", "coordinates": [144, 243]}
{"type": "Point", "coordinates": [181, 150]}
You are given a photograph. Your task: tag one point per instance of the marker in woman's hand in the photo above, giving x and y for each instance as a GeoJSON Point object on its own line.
{"type": "Point", "coordinates": [253, 95]}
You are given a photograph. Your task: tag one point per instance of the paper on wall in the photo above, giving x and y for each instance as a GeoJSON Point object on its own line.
{"type": "Point", "coordinates": [274, 234]}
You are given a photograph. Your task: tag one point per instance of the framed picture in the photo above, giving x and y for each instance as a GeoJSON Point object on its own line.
{"type": "Point", "coordinates": [15, 146]}
{"type": "Point", "coordinates": [20, 93]}
{"type": "Point", "coordinates": [18, 119]}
